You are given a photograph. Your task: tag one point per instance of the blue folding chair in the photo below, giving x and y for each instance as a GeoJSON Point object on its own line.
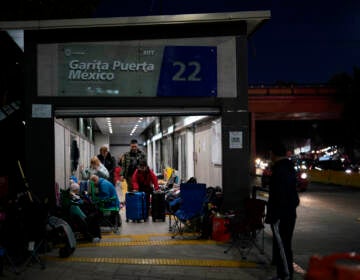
{"type": "Point", "coordinates": [188, 218]}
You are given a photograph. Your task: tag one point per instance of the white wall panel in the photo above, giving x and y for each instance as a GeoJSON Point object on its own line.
{"type": "Point", "coordinates": [206, 171]}
{"type": "Point", "coordinates": [59, 155]}
{"type": "Point", "coordinates": [189, 154]}
{"type": "Point", "coordinates": [67, 167]}
{"type": "Point", "coordinates": [63, 137]}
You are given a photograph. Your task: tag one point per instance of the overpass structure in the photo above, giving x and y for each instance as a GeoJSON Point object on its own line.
{"type": "Point", "coordinates": [291, 103]}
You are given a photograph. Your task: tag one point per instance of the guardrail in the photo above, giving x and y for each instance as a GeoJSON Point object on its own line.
{"type": "Point", "coordinates": [291, 90]}
{"type": "Point", "coordinates": [335, 177]}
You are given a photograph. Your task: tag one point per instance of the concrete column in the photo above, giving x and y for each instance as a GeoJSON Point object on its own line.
{"type": "Point", "coordinates": [235, 123]}
{"type": "Point", "coordinates": [40, 157]}
{"type": "Point", "coordinates": [236, 168]}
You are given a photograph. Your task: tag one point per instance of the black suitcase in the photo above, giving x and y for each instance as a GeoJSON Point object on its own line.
{"type": "Point", "coordinates": [158, 206]}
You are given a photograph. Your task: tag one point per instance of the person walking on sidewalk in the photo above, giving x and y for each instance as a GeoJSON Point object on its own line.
{"type": "Point", "coordinates": [281, 207]}
{"type": "Point", "coordinates": [130, 162]}
{"type": "Point", "coordinates": [145, 180]}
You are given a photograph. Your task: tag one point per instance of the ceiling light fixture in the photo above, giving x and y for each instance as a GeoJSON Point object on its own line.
{"type": "Point", "coordinates": [109, 123]}
{"type": "Point", "coordinates": [136, 126]}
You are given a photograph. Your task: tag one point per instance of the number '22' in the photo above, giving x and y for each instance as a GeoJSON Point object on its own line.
{"type": "Point", "coordinates": [193, 76]}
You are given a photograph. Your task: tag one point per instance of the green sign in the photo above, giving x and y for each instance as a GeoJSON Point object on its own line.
{"type": "Point", "coordinates": [108, 70]}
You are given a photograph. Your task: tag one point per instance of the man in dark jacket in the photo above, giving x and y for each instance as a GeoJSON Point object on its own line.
{"type": "Point", "coordinates": [108, 161]}
{"type": "Point", "coordinates": [130, 162]}
{"type": "Point", "coordinates": [282, 204]}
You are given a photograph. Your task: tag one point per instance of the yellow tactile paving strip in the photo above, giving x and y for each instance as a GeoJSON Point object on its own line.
{"type": "Point", "coordinates": [144, 261]}
{"type": "Point", "coordinates": [137, 236]}
{"type": "Point", "coordinates": [147, 243]}
{"type": "Point", "coordinates": [147, 236]}
{"type": "Point", "coordinates": [145, 240]}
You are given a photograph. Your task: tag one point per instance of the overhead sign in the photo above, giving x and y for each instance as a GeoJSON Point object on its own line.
{"type": "Point", "coordinates": [113, 70]}
{"type": "Point", "coordinates": [188, 71]}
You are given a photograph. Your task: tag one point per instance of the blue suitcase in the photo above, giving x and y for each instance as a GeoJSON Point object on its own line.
{"type": "Point", "coordinates": [135, 206]}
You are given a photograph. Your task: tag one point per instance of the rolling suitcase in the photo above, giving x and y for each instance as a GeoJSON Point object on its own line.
{"type": "Point", "coordinates": [158, 206]}
{"type": "Point", "coordinates": [135, 206]}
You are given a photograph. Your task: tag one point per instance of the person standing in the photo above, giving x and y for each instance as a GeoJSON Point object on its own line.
{"type": "Point", "coordinates": [145, 180]}
{"type": "Point", "coordinates": [118, 185]}
{"type": "Point", "coordinates": [108, 161]}
{"type": "Point", "coordinates": [129, 163]}
{"type": "Point", "coordinates": [281, 207]}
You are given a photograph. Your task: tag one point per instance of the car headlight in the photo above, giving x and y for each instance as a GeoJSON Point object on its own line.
{"type": "Point", "coordinates": [303, 176]}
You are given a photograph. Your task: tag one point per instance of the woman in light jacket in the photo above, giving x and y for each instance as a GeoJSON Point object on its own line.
{"type": "Point", "coordinates": [96, 168]}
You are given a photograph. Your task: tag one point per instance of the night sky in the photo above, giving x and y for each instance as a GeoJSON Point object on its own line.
{"type": "Point", "coordinates": [305, 42]}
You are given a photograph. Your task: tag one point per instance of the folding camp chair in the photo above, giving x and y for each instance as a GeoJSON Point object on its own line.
{"type": "Point", "coordinates": [188, 217]}
{"type": "Point", "coordinates": [110, 215]}
{"type": "Point", "coordinates": [25, 234]}
{"type": "Point", "coordinates": [247, 228]}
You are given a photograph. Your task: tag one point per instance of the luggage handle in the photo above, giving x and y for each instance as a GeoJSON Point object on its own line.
{"type": "Point", "coordinates": [133, 192]}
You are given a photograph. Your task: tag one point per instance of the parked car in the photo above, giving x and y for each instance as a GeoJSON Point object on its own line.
{"type": "Point", "coordinates": [302, 180]}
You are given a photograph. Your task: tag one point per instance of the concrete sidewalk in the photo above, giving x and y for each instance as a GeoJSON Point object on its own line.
{"type": "Point", "coordinates": [147, 251]}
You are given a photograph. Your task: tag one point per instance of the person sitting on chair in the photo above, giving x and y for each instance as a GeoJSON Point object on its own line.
{"type": "Point", "coordinates": [88, 214]}
{"type": "Point", "coordinates": [106, 191]}
{"type": "Point", "coordinates": [96, 168]}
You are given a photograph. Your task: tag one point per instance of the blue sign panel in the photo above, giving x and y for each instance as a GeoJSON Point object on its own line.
{"type": "Point", "coordinates": [188, 71]}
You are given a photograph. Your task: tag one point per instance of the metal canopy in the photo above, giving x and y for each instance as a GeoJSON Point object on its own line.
{"type": "Point", "coordinates": [134, 112]}
{"type": "Point", "coordinates": [252, 18]}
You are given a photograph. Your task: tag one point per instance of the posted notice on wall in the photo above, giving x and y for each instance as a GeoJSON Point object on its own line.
{"type": "Point", "coordinates": [236, 139]}
{"type": "Point", "coordinates": [41, 110]}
